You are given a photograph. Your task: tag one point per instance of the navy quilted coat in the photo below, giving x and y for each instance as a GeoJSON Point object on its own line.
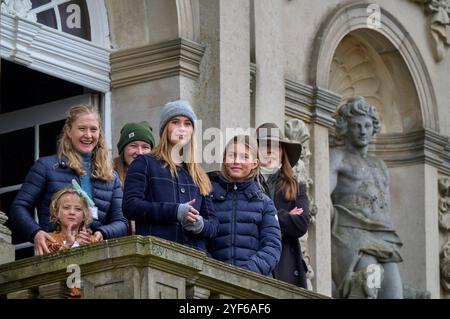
{"type": "Point", "coordinates": [151, 199]}
{"type": "Point", "coordinates": [47, 176]}
{"type": "Point", "coordinates": [249, 233]}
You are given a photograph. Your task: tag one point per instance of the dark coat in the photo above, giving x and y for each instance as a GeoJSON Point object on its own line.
{"type": "Point", "coordinates": [152, 196]}
{"type": "Point", "coordinates": [249, 234]}
{"type": "Point", "coordinates": [291, 267]}
{"type": "Point", "coordinates": [47, 176]}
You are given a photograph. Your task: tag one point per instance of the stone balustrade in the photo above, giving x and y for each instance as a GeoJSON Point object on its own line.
{"type": "Point", "coordinates": [137, 267]}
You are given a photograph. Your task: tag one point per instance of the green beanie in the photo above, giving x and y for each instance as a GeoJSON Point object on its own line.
{"type": "Point", "coordinates": [130, 132]}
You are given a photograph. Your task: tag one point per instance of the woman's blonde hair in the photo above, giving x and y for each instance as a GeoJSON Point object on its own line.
{"type": "Point", "coordinates": [100, 165]}
{"type": "Point", "coordinates": [163, 153]}
{"type": "Point", "coordinates": [251, 145]}
{"type": "Point", "coordinates": [121, 168]}
{"type": "Point", "coordinates": [55, 206]}
{"type": "Point", "coordinates": [287, 182]}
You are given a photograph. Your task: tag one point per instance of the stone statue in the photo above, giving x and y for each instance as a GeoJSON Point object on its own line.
{"type": "Point", "coordinates": [365, 246]}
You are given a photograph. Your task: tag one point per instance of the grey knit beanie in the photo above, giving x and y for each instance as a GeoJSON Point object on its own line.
{"type": "Point", "coordinates": [176, 108]}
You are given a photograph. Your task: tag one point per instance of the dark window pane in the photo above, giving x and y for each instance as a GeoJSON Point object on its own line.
{"type": "Point", "coordinates": [16, 156]}
{"type": "Point", "coordinates": [38, 3]}
{"type": "Point", "coordinates": [75, 18]}
{"type": "Point", "coordinates": [47, 18]}
{"type": "Point", "coordinates": [22, 87]}
{"type": "Point", "coordinates": [48, 136]}
{"type": "Point", "coordinates": [6, 200]}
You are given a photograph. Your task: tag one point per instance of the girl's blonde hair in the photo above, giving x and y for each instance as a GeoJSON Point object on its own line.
{"type": "Point", "coordinates": [287, 182]}
{"type": "Point", "coordinates": [251, 145]}
{"type": "Point", "coordinates": [100, 165]}
{"type": "Point", "coordinates": [163, 153]}
{"type": "Point", "coordinates": [55, 206]}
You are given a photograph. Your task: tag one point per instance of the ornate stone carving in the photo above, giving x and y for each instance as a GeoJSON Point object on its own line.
{"type": "Point", "coordinates": [439, 11]}
{"type": "Point", "coordinates": [353, 72]}
{"type": "Point", "coordinates": [297, 130]}
{"type": "Point", "coordinates": [18, 8]}
{"type": "Point", "coordinates": [444, 203]}
{"type": "Point", "coordinates": [445, 267]}
{"type": "Point", "coordinates": [5, 233]}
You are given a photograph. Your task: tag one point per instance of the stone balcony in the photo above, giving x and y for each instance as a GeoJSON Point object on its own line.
{"type": "Point", "coordinates": [137, 267]}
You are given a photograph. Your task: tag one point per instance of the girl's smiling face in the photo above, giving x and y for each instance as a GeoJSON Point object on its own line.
{"type": "Point", "coordinates": [239, 162]}
{"type": "Point", "coordinates": [71, 210]}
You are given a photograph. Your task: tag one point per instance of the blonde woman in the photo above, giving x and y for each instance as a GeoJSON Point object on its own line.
{"type": "Point", "coordinates": [167, 192]}
{"type": "Point", "coordinates": [83, 156]}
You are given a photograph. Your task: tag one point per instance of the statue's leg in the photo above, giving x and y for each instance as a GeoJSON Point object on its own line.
{"type": "Point", "coordinates": [391, 287]}
{"type": "Point", "coordinates": [365, 261]}
{"type": "Point", "coordinates": [371, 282]}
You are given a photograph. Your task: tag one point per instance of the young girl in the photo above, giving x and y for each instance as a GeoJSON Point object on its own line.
{"type": "Point", "coordinates": [249, 233]}
{"type": "Point", "coordinates": [167, 192]}
{"type": "Point", "coordinates": [278, 156]}
{"type": "Point", "coordinates": [70, 214]}
{"type": "Point", "coordinates": [135, 139]}
{"type": "Point", "coordinates": [83, 156]}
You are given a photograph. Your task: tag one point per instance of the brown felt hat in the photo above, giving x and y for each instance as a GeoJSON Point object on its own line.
{"type": "Point", "coordinates": [271, 132]}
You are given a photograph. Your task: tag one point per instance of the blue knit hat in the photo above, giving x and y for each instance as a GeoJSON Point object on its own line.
{"type": "Point", "coordinates": [176, 108]}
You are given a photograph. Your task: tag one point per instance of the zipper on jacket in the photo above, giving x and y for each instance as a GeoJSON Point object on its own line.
{"type": "Point", "coordinates": [233, 228]}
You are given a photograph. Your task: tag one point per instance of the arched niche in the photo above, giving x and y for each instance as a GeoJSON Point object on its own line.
{"type": "Point", "coordinates": [352, 19]}
{"type": "Point", "coordinates": [384, 65]}
{"type": "Point", "coordinates": [365, 63]}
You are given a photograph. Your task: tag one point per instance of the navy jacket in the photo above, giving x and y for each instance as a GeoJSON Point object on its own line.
{"type": "Point", "coordinates": [291, 267]}
{"type": "Point", "coordinates": [47, 176]}
{"type": "Point", "coordinates": [249, 234]}
{"type": "Point", "coordinates": [152, 196]}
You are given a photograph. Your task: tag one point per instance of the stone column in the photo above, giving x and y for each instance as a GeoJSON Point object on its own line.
{"type": "Point", "coordinates": [416, 221]}
{"type": "Point", "coordinates": [269, 59]}
{"type": "Point", "coordinates": [7, 253]}
{"type": "Point", "coordinates": [319, 237]}
{"type": "Point", "coordinates": [224, 83]}
{"type": "Point", "coordinates": [315, 106]}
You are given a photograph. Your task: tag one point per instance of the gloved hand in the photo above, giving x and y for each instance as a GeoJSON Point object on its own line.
{"type": "Point", "coordinates": [196, 227]}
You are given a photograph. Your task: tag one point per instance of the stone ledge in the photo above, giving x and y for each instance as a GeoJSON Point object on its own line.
{"type": "Point", "coordinates": [423, 146]}
{"type": "Point", "coordinates": [141, 260]}
{"type": "Point", "coordinates": [311, 104]}
{"type": "Point", "coordinates": [152, 62]}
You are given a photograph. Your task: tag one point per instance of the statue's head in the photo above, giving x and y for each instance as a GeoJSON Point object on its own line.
{"type": "Point", "coordinates": [357, 121]}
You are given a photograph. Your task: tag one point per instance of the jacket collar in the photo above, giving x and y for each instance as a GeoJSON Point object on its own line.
{"type": "Point", "coordinates": [222, 187]}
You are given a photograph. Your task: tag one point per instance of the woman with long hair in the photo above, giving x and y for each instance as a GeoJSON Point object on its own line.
{"type": "Point", "coordinates": [82, 155]}
{"type": "Point", "coordinates": [167, 192]}
{"type": "Point", "coordinates": [278, 156]}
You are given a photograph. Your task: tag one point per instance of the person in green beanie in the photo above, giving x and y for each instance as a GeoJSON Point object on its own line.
{"type": "Point", "coordinates": [135, 139]}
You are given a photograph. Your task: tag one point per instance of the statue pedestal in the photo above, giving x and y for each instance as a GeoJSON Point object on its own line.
{"type": "Point", "coordinates": [6, 248]}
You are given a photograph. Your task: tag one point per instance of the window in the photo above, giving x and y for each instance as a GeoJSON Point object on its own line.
{"type": "Point", "coordinates": [69, 16]}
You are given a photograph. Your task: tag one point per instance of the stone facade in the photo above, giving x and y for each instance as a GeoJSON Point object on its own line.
{"type": "Point", "coordinates": [244, 62]}
{"type": "Point", "coordinates": [137, 267]}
